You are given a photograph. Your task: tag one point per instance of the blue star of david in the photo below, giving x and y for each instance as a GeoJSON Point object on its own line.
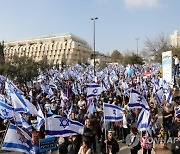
{"type": "Point", "coordinates": [95, 91]}
{"type": "Point", "coordinates": [64, 122]}
{"type": "Point", "coordinates": [20, 139]}
{"type": "Point", "coordinates": [114, 112]}
{"type": "Point", "coordinates": [140, 98]}
{"type": "Point", "coordinates": [5, 113]}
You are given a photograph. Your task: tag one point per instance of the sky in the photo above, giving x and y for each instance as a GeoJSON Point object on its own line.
{"type": "Point", "coordinates": [119, 22]}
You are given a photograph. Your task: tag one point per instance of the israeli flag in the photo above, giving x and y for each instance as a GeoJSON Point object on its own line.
{"type": "Point", "coordinates": [17, 140]}
{"type": "Point", "coordinates": [20, 121]}
{"type": "Point", "coordinates": [91, 107]}
{"type": "Point", "coordinates": [18, 102]}
{"type": "Point", "coordinates": [21, 104]}
{"type": "Point", "coordinates": [126, 89]}
{"type": "Point", "coordinates": [30, 95]}
{"type": "Point", "coordinates": [112, 112]}
{"type": "Point", "coordinates": [52, 84]}
{"type": "Point", "coordinates": [178, 112]}
{"type": "Point", "coordinates": [63, 96]}
{"type": "Point", "coordinates": [159, 96]}
{"type": "Point", "coordinates": [137, 101]}
{"type": "Point", "coordinates": [155, 83]}
{"type": "Point", "coordinates": [10, 86]}
{"type": "Point", "coordinates": [74, 89]}
{"type": "Point", "coordinates": [40, 118]}
{"type": "Point", "coordinates": [2, 98]}
{"type": "Point", "coordinates": [50, 94]}
{"type": "Point", "coordinates": [169, 96]}
{"type": "Point", "coordinates": [6, 111]}
{"type": "Point", "coordinates": [144, 120]}
{"type": "Point", "coordinates": [93, 90]}
{"type": "Point", "coordinates": [70, 111]}
{"type": "Point", "coordinates": [60, 126]}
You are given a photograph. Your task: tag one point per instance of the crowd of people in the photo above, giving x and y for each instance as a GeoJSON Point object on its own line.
{"type": "Point", "coordinates": [68, 98]}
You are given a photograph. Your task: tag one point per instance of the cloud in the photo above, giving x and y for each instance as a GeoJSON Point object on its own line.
{"type": "Point", "coordinates": [141, 3]}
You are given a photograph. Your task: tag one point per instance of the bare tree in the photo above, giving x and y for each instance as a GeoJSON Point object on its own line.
{"type": "Point", "coordinates": [155, 47]}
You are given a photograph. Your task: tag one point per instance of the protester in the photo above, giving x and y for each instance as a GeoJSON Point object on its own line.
{"type": "Point", "coordinates": [110, 145]}
{"type": "Point", "coordinates": [134, 141]}
{"type": "Point", "coordinates": [146, 143]}
{"type": "Point", "coordinates": [176, 65]}
{"type": "Point", "coordinates": [176, 146]}
{"type": "Point", "coordinates": [85, 148]}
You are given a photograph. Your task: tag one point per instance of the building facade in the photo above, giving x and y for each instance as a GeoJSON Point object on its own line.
{"type": "Point", "coordinates": [65, 49]}
{"type": "Point", "coordinates": [175, 39]}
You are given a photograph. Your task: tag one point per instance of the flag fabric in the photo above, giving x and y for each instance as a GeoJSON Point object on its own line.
{"type": "Point", "coordinates": [9, 86]}
{"type": "Point", "coordinates": [144, 120]}
{"type": "Point", "coordinates": [155, 84]}
{"type": "Point", "coordinates": [178, 111]}
{"type": "Point", "coordinates": [21, 104]}
{"type": "Point", "coordinates": [20, 121]}
{"type": "Point", "coordinates": [74, 89]}
{"type": "Point", "coordinates": [137, 101]}
{"type": "Point", "coordinates": [6, 111]}
{"type": "Point", "coordinates": [169, 96]}
{"type": "Point", "coordinates": [167, 92]}
{"type": "Point", "coordinates": [63, 96]}
{"type": "Point", "coordinates": [70, 111]}
{"type": "Point", "coordinates": [50, 94]}
{"type": "Point", "coordinates": [17, 140]}
{"type": "Point", "coordinates": [93, 90]}
{"type": "Point", "coordinates": [31, 108]}
{"type": "Point", "coordinates": [159, 96]}
{"type": "Point", "coordinates": [91, 107]}
{"type": "Point", "coordinates": [18, 102]}
{"type": "Point", "coordinates": [40, 118]}
{"type": "Point", "coordinates": [52, 84]}
{"type": "Point", "coordinates": [112, 112]}
{"type": "Point", "coordinates": [61, 126]}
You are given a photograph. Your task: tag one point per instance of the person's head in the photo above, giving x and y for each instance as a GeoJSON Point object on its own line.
{"type": "Point", "coordinates": [168, 107]}
{"type": "Point", "coordinates": [73, 115]}
{"type": "Point", "coordinates": [151, 104]}
{"type": "Point", "coordinates": [158, 126]}
{"type": "Point", "coordinates": [115, 99]}
{"type": "Point", "coordinates": [88, 122]}
{"type": "Point", "coordinates": [80, 111]}
{"type": "Point", "coordinates": [85, 144]}
{"type": "Point", "coordinates": [175, 56]}
{"type": "Point", "coordinates": [110, 135]}
{"type": "Point", "coordinates": [143, 133]}
{"type": "Point", "coordinates": [134, 130]}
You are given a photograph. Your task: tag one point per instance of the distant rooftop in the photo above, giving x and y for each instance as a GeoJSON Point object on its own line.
{"type": "Point", "coordinates": [67, 37]}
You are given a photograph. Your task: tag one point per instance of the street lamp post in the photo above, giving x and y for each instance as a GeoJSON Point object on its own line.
{"type": "Point", "coordinates": [137, 39]}
{"type": "Point", "coordinates": [94, 19]}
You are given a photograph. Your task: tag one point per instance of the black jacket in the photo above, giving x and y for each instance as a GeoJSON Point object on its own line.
{"type": "Point", "coordinates": [113, 144]}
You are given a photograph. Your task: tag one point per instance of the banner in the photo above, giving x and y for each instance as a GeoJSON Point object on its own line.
{"type": "Point", "coordinates": [167, 66]}
{"type": "Point", "coordinates": [47, 144]}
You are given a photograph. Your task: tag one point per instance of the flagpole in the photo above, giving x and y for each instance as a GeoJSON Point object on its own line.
{"type": "Point", "coordinates": [45, 124]}
{"type": "Point", "coordinates": [4, 134]}
{"type": "Point", "coordinates": [105, 131]}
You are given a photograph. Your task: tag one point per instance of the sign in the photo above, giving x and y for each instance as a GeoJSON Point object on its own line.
{"type": "Point", "coordinates": [167, 66]}
{"type": "Point", "coordinates": [47, 144]}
